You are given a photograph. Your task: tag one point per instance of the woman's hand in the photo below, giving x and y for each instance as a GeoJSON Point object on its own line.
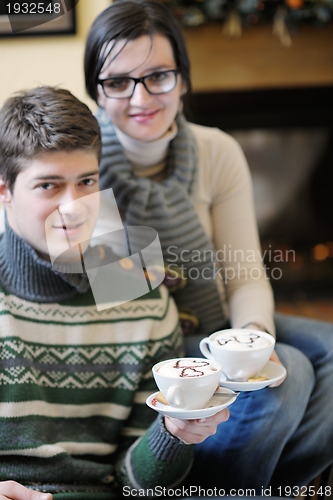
{"type": "Point", "coordinates": [195, 431]}
{"type": "Point", "coordinates": [11, 490]}
{"type": "Point", "coordinates": [275, 358]}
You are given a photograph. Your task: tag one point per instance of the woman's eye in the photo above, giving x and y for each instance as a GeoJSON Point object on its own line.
{"type": "Point", "coordinates": [157, 77]}
{"type": "Point", "coordinates": [117, 83]}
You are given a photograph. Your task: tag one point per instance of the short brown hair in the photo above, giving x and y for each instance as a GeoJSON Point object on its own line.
{"type": "Point", "coordinates": [41, 120]}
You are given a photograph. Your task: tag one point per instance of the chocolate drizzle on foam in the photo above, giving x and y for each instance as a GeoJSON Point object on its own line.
{"type": "Point", "coordinates": [193, 370]}
{"type": "Point", "coordinates": [250, 339]}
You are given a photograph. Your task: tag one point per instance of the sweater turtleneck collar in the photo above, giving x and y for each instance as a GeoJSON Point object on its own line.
{"type": "Point", "coordinates": [25, 274]}
{"type": "Point", "coordinates": [147, 158]}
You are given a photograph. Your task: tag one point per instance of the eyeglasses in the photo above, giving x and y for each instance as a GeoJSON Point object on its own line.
{"type": "Point", "coordinates": [123, 87]}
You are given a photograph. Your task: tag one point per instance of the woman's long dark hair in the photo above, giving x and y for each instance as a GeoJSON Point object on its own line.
{"type": "Point", "coordinates": [129, 20]}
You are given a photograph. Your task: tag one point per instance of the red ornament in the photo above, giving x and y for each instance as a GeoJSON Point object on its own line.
{"type": "Point", "coordinates": [295, 4]}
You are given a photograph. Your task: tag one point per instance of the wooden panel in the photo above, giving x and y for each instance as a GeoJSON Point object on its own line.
{"type": "Point", "coordinates": [316, 309]}
{"type": "Point", "coordinates": [258, 60]}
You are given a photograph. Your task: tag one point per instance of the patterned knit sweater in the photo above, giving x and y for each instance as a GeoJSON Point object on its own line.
{"type": "Point", "coordinates": [73, 385]}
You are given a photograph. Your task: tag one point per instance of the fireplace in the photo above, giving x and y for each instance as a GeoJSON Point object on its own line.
{"type": "Point", "coordinates": [286, 135]}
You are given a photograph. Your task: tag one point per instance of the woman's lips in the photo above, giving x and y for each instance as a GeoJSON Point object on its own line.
{"type": "Point", "coordinates": [144, 116]}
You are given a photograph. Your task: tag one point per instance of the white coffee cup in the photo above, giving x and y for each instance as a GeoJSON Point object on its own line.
{"type": "Point", "coordinates": [187, 383]}
{"type": "Point", "coordinates": [241, 352]}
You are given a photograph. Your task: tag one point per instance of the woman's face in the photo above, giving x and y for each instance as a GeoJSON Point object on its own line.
{"type": "Point", "coordinates": [143, 116]}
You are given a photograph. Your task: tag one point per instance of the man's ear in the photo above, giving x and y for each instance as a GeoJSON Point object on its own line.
{"type": "Point", "coordinates": [5, 194]}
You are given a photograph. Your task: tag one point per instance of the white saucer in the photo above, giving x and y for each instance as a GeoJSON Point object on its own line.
{"type": "Point", "coordinates": [214, 405]}
{"type": "Point", "coordinates": [273, 372]}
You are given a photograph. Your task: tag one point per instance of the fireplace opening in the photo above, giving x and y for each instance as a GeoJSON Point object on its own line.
{"type": "Point", "coordinates": [286, 136]}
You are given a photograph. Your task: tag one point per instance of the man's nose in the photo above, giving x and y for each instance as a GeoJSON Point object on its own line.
{"type": "Point", "coordinates": [140, 96]}
{"type": "Point", "coordinates": [70, 203]}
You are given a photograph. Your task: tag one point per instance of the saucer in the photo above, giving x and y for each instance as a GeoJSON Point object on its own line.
{"type": "Point", "coordinates": [213, 406]}
{"type": "Point", "coordinates": [272, 371]}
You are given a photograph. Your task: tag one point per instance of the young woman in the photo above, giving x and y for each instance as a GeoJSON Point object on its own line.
{"type": "Point", "coordinates": [192, 184]}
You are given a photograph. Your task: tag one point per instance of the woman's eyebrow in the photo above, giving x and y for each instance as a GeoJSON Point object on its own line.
{"type": "Point", "coordinates": [164, 67]}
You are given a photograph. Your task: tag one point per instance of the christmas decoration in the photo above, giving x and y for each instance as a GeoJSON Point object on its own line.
{"type": "Point", "coordinates": [285, 15]}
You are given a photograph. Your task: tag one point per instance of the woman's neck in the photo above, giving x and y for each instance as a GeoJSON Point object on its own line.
{"type": "Point", "coordinates": [148, 159]}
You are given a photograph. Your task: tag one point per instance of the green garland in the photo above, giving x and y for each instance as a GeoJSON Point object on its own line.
{"type": "Point", "coordinates": [250, 12]}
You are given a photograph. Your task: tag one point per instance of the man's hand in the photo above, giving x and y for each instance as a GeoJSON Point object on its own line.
{"type": "Point", "coordinates": [195, 431]}
{"type": "Point", "coordinates": [11, 490]}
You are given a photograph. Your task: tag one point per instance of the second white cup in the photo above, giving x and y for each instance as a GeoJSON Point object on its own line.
{"type": "Point", "coordinates": [241, 352]}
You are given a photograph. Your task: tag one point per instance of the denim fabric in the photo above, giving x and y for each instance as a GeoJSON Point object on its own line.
{"type": "Point", "coordinates": [279, 436]}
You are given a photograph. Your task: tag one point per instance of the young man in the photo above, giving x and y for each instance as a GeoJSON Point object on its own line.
{"type": "Point", "coordinates": [74, 379]}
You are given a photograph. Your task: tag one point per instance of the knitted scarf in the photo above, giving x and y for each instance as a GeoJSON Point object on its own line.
{"type": "Point", "coordinates": [168, 208]}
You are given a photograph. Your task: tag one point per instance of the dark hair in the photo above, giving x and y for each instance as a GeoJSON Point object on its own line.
{"type": "Point", "coordinates": [42, 120]}
{"type": "Point", "coordinates": [129, 20]}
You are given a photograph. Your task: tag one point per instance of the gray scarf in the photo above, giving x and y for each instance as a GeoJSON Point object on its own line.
{"type": "Point", "coordinates": [168, 208]}
{"type": "Point", "coordinates": [25, 274]}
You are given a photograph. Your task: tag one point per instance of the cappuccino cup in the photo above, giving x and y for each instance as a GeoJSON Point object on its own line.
{"type": "Point", "coordinates": [241, 352]}
{"type": "Point", "coordinates": [187, 383]}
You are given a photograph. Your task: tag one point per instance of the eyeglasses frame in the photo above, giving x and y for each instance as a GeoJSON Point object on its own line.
{"type": "Point", "coordinates": [139, 80]}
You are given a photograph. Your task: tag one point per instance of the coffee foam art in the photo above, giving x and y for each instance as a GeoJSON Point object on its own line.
{"type": "Point", "coordinates": [242, 342]}
{"type": "Point", "coordinates": [183, 368]}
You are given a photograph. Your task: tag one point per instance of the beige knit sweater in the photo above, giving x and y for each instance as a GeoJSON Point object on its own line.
{"type": "Point", "coordinates": [224, 202]}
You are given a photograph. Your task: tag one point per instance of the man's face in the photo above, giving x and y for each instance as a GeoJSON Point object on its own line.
{"type": "Point", "coordinates": [50, 207]}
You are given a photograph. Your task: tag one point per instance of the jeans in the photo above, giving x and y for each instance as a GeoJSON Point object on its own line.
{"type": "Point", "coordinates": [277, 437]}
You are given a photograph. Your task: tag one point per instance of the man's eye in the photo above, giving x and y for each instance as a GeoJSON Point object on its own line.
{"type": "Point", "coordinates": [88, 182]}
{"type": "Point", "coordinates": [47, 185]}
